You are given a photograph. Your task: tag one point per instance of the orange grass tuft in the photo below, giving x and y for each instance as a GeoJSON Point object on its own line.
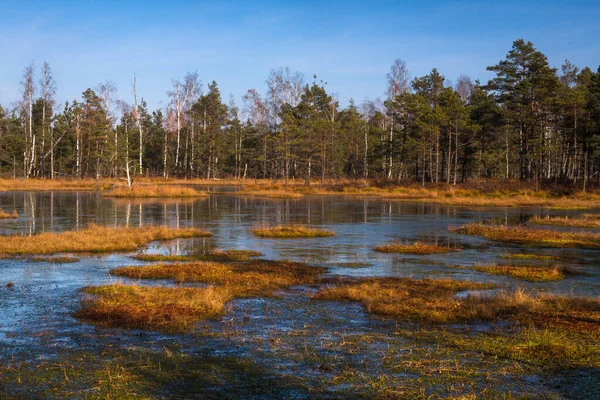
{"type": "Point", "coordinates": [243, 279]}
{"type": "Point", "coordinates": [290, 231]}
{"type": "Point", "coordinates": [154, 191]}
{"type": "Point", "coordinates": [530, 273]}
{"type": "Point", "coordinates": [536, 237]}
{"type": "Point", "coordinates": [141, 307]}
{"type": "Point", "coordinates": [417, 248]}
{"type": "Point", "coordinates": [94, 238]}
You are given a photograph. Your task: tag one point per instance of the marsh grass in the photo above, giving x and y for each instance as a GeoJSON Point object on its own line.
{"type": "Point", "coordinates": [523, 256]}
{"type": "Point", "coordinates": [416, 248]}
{"type": "Point", "coordinates": [161, 308]}
{"type": "Point", "coordinates": [290, 231]}
{"type": "Point", "coordinates": [532, 273]}
{"type": "Point", "coordinates": [178, 309]}
{"type": "Point", "coordinates": [242, 279]}
{"type": "Point", "coordinates": [581, 222]}
{"type": "Point", "coordinates": [5, 215]}
{"type": "Point", "coordinates": [216, 255]}
{"type": "Point", "coordinates": [94, 238]}
{"type": "Point", "coordinates": [434, 301]}
{"type": "Point", "coordinates": [534, 237]}
{"type": "Point", "coordinates": [54, 260]}
{"type": "Point", "coordinates": [143, 191]}
{"type": "Point", "coordinates": [424, 300]}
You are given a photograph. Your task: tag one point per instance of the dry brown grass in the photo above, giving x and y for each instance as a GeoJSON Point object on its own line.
{"type": "Point", "coordinates": [94, 238]}
{"type": "Point", "coordinates": [424, 300]}
{"type": "Point", "coordinates": [144, 191]}
{"type": "Point", "coordinates": [141, 307]}
{"type": "Point", "coordinates": [243, 279]}
{"type": "Point", "coordinates": [178, 309]}
{"type": "Point", "coordinates": [434, 301]}
{"type": "Point", "coordinates": [582, 222]}
{"type": "Point", "coordinates": [417, 248]}
{"type": "Point", "coordinates": [523, 256]}
{"type": "Point", "coordinates": [290, 231]}
{"type": "Point", "coordinates": [45, 185]}
{"type": "Point", "coordinates": [532, 273]}
{"type": "Point", "coordinates": [535, 237]}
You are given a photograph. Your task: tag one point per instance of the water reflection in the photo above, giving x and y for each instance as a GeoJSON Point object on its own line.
{"type": "Point", "coordinates": [360, 223]}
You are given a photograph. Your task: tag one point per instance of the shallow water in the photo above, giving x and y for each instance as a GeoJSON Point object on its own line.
{"type": "Point", "coordinates": [36, 313]}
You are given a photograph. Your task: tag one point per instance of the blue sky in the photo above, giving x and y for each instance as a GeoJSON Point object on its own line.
{"type": "Point", "coordinates": [348, 44]}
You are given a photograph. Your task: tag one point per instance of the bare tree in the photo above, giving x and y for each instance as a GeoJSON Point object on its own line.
{"type": "Point", "coordinates": [107, 91]}
{"type": "Point", "coordinates": [256, 111]}
{"type": "Point", "coordinates": [136, 113]}
{"type": "Point", "coordinates": [398, 81]}
{"type": "Point", "coordinates": [28, 91]}
{"type": "Point", "coordinates": [181, 99]}
{"type": "Point", "coordinates": [48, 86]}
{"type": "Point", "coordinates": [464, 87]}
{"type": "Point", "coordinates": [125, 109]}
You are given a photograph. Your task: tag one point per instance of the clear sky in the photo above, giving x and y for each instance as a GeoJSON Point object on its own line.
{"type": "Point", "coordinates": [348, 44]}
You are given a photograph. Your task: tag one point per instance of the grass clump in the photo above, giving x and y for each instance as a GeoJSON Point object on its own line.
{"type": "Point", "coordinates": [242, 279]}
{"type": "Point", "coordinates": [582, 222]}
{"type": "Point", "coordinates": [154, 191]}
{"type": "Point", "coordinates": [417, 248]}
{"type": "Point", "coordinates": [5, 215]}
{"type": "Point", "coordinates": [424, 300]}
{"type": "Point", "coordinates": [216, 255]}
{"type": "Point", "coordinates": [94, 238]}
{"type": "Point", "coordinates": [290, 231]}
{"type": "Point", "coordinates": [523, 256]}
{"type": "Point", "coordinates": [530, 273]}
{"type": "Point", "coordinates": [161, 308]}
{"type": "Point", "coordinates": [55, 259]}
{"type": "Point", "coordinates": [534, 237]}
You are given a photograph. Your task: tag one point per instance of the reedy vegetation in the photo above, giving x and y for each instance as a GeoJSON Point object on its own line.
{"type": "Point", "coordinates": [529, 122]}
{"type": "Point", "coordinates": [94, 238]}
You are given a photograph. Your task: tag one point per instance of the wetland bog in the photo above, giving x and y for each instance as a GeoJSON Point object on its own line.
{"type": "Point", "coordinates": [269, 326]}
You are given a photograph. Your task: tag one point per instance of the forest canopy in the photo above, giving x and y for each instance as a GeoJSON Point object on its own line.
{"type": "Point", "coordinates": [531, 121]}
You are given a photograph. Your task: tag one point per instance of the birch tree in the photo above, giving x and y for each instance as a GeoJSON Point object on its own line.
{"type": "Point", "coordinates": [28, 92]}
{"type": "Point", "coordinates": [48, 87]}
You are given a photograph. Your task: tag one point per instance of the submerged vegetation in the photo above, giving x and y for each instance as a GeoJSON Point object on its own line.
{"type": "Point", "coordinates": [215, 255]}
{"type": "Point", "coordinates": [290, 231]}
{"type": "Point", "coordinates": [534, 237]}
{"type": "Point", "coordinates": [417, 248]}
{"type": "Point", "coordinates": [54, 259]}
{"type": "Point", "coordinates": [94, 238]}
{"type": "Point", "coordinates": [149, 191]}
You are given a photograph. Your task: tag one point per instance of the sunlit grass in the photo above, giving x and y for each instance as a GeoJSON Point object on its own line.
{"type": "Point", "coordinates": [178, 309]}
{"type": "Point", "coordinates": [532, 273]}
{"type": "Point", "coordinates": [290, 231]}
{"type": "Point", "coordinates": [535, 237]}
{"type": "Point", "coordinates": [94, 238]}
{"type": "Point", "coordinates": [142, 191]}
{"type": "Point", "coordinates": [417, 248]}
{"type": "Point", "coordinates": [160, 308]}
{"type": "Point", "coordinates": [581, 222]}
{"type": "Point", "coordinates": [524, 256]}
{"type": "Point", "coordinates": [243, 279]}
{"type": "Point", "coordinates": [424, 300]}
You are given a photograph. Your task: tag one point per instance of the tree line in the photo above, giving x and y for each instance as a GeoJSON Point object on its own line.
{"type": "Point", "coordinates": [530, 121]}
